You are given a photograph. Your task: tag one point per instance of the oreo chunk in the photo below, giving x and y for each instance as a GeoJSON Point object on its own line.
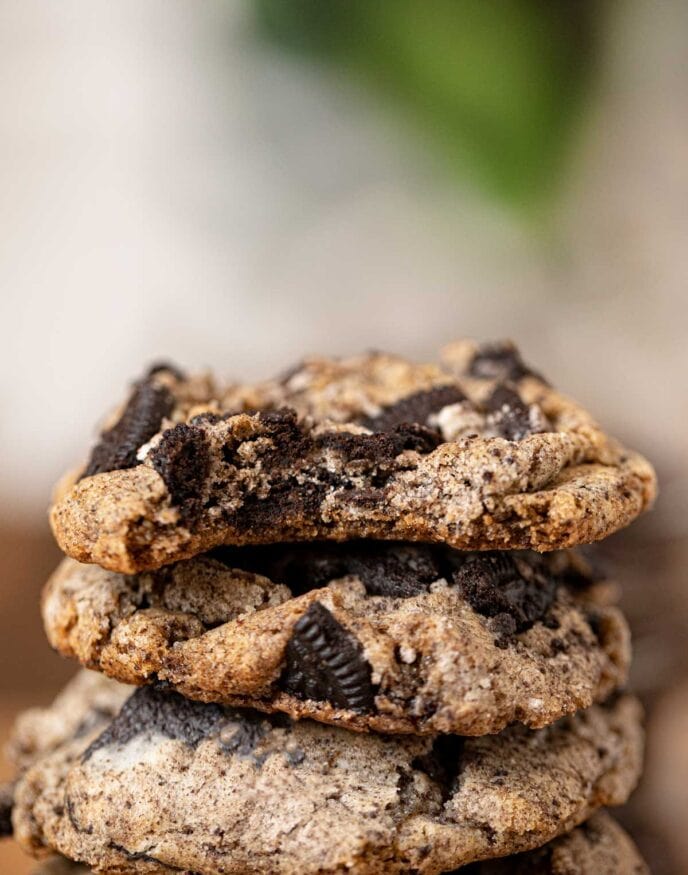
{"type": "Point", "coordinates": [513, 593]}
{"type": "Point", "coordinates": [289, 443]}
{"type": "Point", "coordinates": [510, 414]}
{"type": "Point", "coordinates": [182, 458]}
{"type": "Point", "coordinates": [381, 448]}
{"type": "Point", "coordinates": [501, 361]}
{"type": "Point", "coordinates": [141, 419]}
{"type": "Point", "coordinates": [416, 408]}
{"type": "Point", "coordinates": [385, 569]}
{"type": "Point", "coordinates": [395, 570]}
{"type": "Point", "coordinates": [153, 711]}
{"type": "Point", "coordinates": [325, 662]}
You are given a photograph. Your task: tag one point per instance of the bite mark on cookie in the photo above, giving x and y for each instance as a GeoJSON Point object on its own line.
{"type": "Point", "coordinates": [182, 458]}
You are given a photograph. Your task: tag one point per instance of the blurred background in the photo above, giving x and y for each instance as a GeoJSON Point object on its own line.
{"type": "Point", "coordinates": [240, 184]}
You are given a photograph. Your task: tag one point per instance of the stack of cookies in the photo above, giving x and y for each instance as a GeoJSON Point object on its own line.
{"type": "Point", "coordinates": [361, 641]}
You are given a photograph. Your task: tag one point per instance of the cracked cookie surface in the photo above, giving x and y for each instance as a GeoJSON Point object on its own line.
{"type": "Point", "coordinates": [478, 452]}
{"type": "Point", "coordinates": [396, 638]}
{"type": "Point", "coordinates": [172, 785]}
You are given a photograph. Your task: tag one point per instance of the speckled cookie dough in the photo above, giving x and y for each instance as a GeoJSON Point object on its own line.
{"type": "Point", "coordinates": [477, 452]}
{"type": "Point", "coordinates": [173, 785]}
{"type": "Point", "coordinates": [368, 635]}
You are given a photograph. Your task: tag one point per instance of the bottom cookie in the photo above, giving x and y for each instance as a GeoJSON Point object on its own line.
{"type": "Point", "coordinates": [172, 785]}
{"type": "Point", "coordinates": [597, 847]}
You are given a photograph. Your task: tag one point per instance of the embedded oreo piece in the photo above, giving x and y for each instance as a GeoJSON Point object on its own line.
{"type": "Point", "coordinates": [514, 595]}
{"type": "Point", "coordinates": [510, 414]}
{"type": "Point", "coordinates": [182, 458]}
{"type": "Point", "coordinates": [385, 569]}
{"type": "Point", "coordinates": [500, 361]}
{"type": "Point", "coordinates": [382, 447]}
{"type": "Point", "coordinates": [415, 408]}
{"type": "Point", "coordinates": [158, 712]}
{"type": "Point", "coordinates": [140, 421]}
{"type": "Point", "coordinates": [395, 570]}
{"type": "Point", "coordinates": [325, 662]}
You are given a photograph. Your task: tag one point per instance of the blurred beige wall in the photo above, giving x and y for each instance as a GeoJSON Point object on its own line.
{"type": "Point", "coordinates": [172, 187]}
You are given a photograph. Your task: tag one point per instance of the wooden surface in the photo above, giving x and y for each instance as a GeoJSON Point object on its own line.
{"type": "Point", "coordinates": [31, 672]}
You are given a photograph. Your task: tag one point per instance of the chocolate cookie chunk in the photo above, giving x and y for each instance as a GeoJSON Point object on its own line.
{"type": "Point", "coordinates": [514, 593]}
{"type": "Point", "coordinates": [375, 636]}
{"type": "Point", "coordinates": [477, 452]}
{"type": "Point", "coordinates": [183, 460]}
{"type": "Point", "coordinates": [384, 568]}
{"type": "Point", "coordinates": [308, 798]}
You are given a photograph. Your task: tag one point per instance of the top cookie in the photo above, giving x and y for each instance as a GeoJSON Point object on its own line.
{"type": "Point", "coordinates": [478, 452]}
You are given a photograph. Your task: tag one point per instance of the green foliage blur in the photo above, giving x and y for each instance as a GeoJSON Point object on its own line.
{"type": "Point", "coordinates": [496, 87]}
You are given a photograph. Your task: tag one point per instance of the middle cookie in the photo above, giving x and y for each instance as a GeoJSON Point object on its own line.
{"type": "Point", "coordinates": [386, 637]}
